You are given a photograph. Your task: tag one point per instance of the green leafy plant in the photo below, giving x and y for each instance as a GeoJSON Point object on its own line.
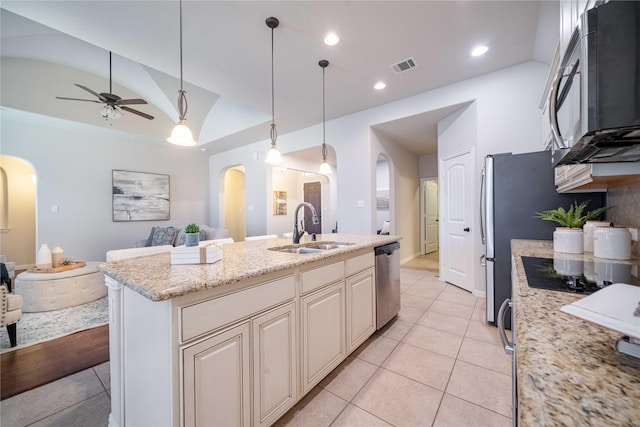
{"type": "Point", "coordinates": [192, 228]}
{"type": "Point", "coordinates": [574, 217]}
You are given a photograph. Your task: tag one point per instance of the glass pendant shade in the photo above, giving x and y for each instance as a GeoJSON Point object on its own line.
{"type": "Point", "coordinates": [181, 135]}
{"type": "Point", "coordinates": [273, 156]}
{"type": "Point", "coordinates": [325, 168]}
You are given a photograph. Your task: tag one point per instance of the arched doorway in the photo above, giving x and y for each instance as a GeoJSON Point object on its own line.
{"type": "Point", "coordinates": [18, 210]}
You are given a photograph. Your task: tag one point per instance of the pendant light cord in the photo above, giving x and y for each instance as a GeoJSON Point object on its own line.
{"type": "Point", "coordinates": [324, 145]}
{"type": "Point", "coordinates": [274, 132]}
{"type": "Point", "coordinates": [182, 98]}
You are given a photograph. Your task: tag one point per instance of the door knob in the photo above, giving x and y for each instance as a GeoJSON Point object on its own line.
{"type": "Point", "coordinates": [466, 229]}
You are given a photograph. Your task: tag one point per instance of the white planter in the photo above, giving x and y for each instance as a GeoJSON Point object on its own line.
{"type": "Point", "coordinates": [568, 240]}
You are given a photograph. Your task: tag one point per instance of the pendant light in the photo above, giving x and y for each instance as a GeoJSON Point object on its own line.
{"type": "Point", "coordinates": [325, 168]}
{"type": "Point", "coordinates": [273, 156]}
{"type": "Point", "coordinates": [181, 134]}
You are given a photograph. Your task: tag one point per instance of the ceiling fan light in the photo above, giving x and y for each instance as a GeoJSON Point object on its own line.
{"type": "Point", "coordinates": [273, 156]}
{"type": "Point", "coordinates": [325, 168]}
{"type": "Point", "coordinates": [109, 112]}
{"type": "Point", "coordinates": [181, 135]}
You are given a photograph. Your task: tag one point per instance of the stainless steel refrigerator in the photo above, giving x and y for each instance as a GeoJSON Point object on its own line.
{"type": "Point", "coordinates": [514, 188]}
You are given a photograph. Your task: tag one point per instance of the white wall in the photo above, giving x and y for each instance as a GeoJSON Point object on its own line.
{"type": "Point", "coordinates": [508, 119]}
{"type": "Point", "coordinates": [284, 180]}
{"type": "Point", "coordinates": [73, 163]}
{"type": "Point", "coordinates": [429, 165]}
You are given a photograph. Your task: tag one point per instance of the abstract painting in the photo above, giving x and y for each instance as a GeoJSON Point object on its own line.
{"type": "Point", "coordinates": [382, 199]}
{"type": "Point", "coordinates": [140, 196]}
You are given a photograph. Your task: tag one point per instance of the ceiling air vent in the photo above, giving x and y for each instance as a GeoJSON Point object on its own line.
{"type": "Point", "coordinates": [404, 65]}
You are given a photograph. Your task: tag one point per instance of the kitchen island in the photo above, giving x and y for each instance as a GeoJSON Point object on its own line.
{"type": "Point", "coordinates": [568, 371]}
{"type": "Point", "coordinates": [239, 341]}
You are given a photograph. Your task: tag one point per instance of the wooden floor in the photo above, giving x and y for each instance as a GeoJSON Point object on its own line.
{"type": "Point", "coordinates": [39, 364]}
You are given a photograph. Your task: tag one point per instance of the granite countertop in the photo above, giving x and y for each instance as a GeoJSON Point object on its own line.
{"type": "Point", "coordinates": [157, 279]}
{"type": "Point", "coordinates": [569, 372]}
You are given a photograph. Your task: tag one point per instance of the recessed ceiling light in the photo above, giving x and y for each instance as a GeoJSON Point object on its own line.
{"type": "Point", "coordinates": [379, 86]}
{"type": "Point", "coordinates": [331, 39]}
{"type": "Point", "coordinates": [479, 50]}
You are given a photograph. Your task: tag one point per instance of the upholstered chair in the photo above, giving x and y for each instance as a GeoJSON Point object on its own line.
{"type": "Point", "coordinates": [10, 313]}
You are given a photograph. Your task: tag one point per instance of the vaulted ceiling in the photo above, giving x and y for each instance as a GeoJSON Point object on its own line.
{"type": "Point", "coordinates": [47, 46]}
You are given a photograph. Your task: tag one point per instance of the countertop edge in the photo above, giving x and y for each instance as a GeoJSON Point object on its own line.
{"type": "Point", "coordinates": [181, 280]}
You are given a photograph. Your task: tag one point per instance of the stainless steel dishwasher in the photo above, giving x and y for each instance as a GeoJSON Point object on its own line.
{"type": "Point", "coordinates": [387, 282]}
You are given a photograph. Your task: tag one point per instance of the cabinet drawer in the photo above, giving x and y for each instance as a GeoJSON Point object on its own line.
{"type": "Point", "coordinates": [318, 277]}
{"type": "Point", "coordinates": [207, 316]}
{"type": "Point", "coordinates": [359, 263]}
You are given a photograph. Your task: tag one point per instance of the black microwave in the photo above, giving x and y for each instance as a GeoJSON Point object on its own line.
{"type": "Point", "coordinates": [594, 106]}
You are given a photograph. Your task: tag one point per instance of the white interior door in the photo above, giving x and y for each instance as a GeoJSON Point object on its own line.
{"type": "Point", "coordinates": [456, 254]}
{"type": "Point", "coordinates": [431, 217]}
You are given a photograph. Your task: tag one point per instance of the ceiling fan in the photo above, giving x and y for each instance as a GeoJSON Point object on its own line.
{"type": "Point", "coordinates": [112, 103]}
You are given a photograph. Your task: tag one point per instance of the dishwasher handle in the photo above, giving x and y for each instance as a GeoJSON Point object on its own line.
{"type": "Point", "coordinates": [387, 249]}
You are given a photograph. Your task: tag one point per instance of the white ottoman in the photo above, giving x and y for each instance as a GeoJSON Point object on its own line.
{"type": "Point", "coordinates": [53, 291]}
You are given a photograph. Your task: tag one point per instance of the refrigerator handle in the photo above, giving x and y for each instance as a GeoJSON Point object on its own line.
{"type": "Point", "coordinates": [481, 207]}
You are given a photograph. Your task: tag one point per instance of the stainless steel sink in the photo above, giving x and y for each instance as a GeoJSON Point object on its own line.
{"type": "Point", "coordinates": [310, 248]}
{"type": "Point", "coordinates": [327, 246]}
{"type": "Point", "coordinates": [296, 250]}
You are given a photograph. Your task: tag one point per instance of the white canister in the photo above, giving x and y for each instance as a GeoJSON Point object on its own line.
{"type": "Point", "coordinates": [44, 257]}
{"type": "Point", "coordinates": [568, 240]}
{"type": "Point", "coordinates": [589, 230]}
{"type": "Point", "coordinates": [57, 255]}
{"type": "Point", "coordinates": [612, 243]}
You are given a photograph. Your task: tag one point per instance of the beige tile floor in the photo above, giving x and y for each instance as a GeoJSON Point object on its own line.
{"type": "Point", "coordinates": [437, 364]}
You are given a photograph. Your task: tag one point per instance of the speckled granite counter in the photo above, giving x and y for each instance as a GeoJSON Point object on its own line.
{"type": "Point", "coordinates": [155, 278]}
{"type": "Point", "coordinates": [569, 372]}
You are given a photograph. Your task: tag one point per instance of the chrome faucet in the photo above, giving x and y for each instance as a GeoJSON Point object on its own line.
{"type": "Point", "coordinates": [314, 218]}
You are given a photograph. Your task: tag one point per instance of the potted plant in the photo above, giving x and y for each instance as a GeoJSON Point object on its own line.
{"type": "Point", "coordinates": [568, 237]}
{"type": "Point", "coordinates": [191, 235]}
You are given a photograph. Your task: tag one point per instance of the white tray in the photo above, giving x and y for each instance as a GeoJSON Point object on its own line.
{"type": "Point", "coordinates": [616, 307]}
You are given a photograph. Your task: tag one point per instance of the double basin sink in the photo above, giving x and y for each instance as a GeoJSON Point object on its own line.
{"type": "Point", "coordinates": [310, 248]}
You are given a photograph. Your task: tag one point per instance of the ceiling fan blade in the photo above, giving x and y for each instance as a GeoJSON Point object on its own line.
{"type": "Point", "coordinates": [131, 101]}
{"type": "Point", "coordinates": [139, 113]}
{"type": "Point", "coordinates": [100, 97]}
{"type": "Point", "coordinates": [78, 99]}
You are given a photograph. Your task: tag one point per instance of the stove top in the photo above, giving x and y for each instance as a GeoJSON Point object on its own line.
{"type": "Point", "coordinates": [581, 277]}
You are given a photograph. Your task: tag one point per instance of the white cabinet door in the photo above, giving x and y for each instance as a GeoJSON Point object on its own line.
{"type": "Point", "coordinates": [216, 380]}
{"type": "Point", "coordinates": [361, 308]}
{"type": "Point", "coordinates": [274, 364]}
{"type": "Point", "coordinates": [323, 333]}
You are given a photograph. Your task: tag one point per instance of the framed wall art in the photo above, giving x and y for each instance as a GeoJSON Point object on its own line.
{"type": "Point", "coordinates": [382, 199]}
{"type": "Point", "coordinates": [279, 202]}
{"type": "Point", "coordinates": [140, 196]}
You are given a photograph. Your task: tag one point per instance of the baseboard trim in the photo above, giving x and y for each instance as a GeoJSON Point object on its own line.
{"type": "Point", "coordinates": [409, 258]}
{"type": "Point", "coordinates": [479, 294]}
